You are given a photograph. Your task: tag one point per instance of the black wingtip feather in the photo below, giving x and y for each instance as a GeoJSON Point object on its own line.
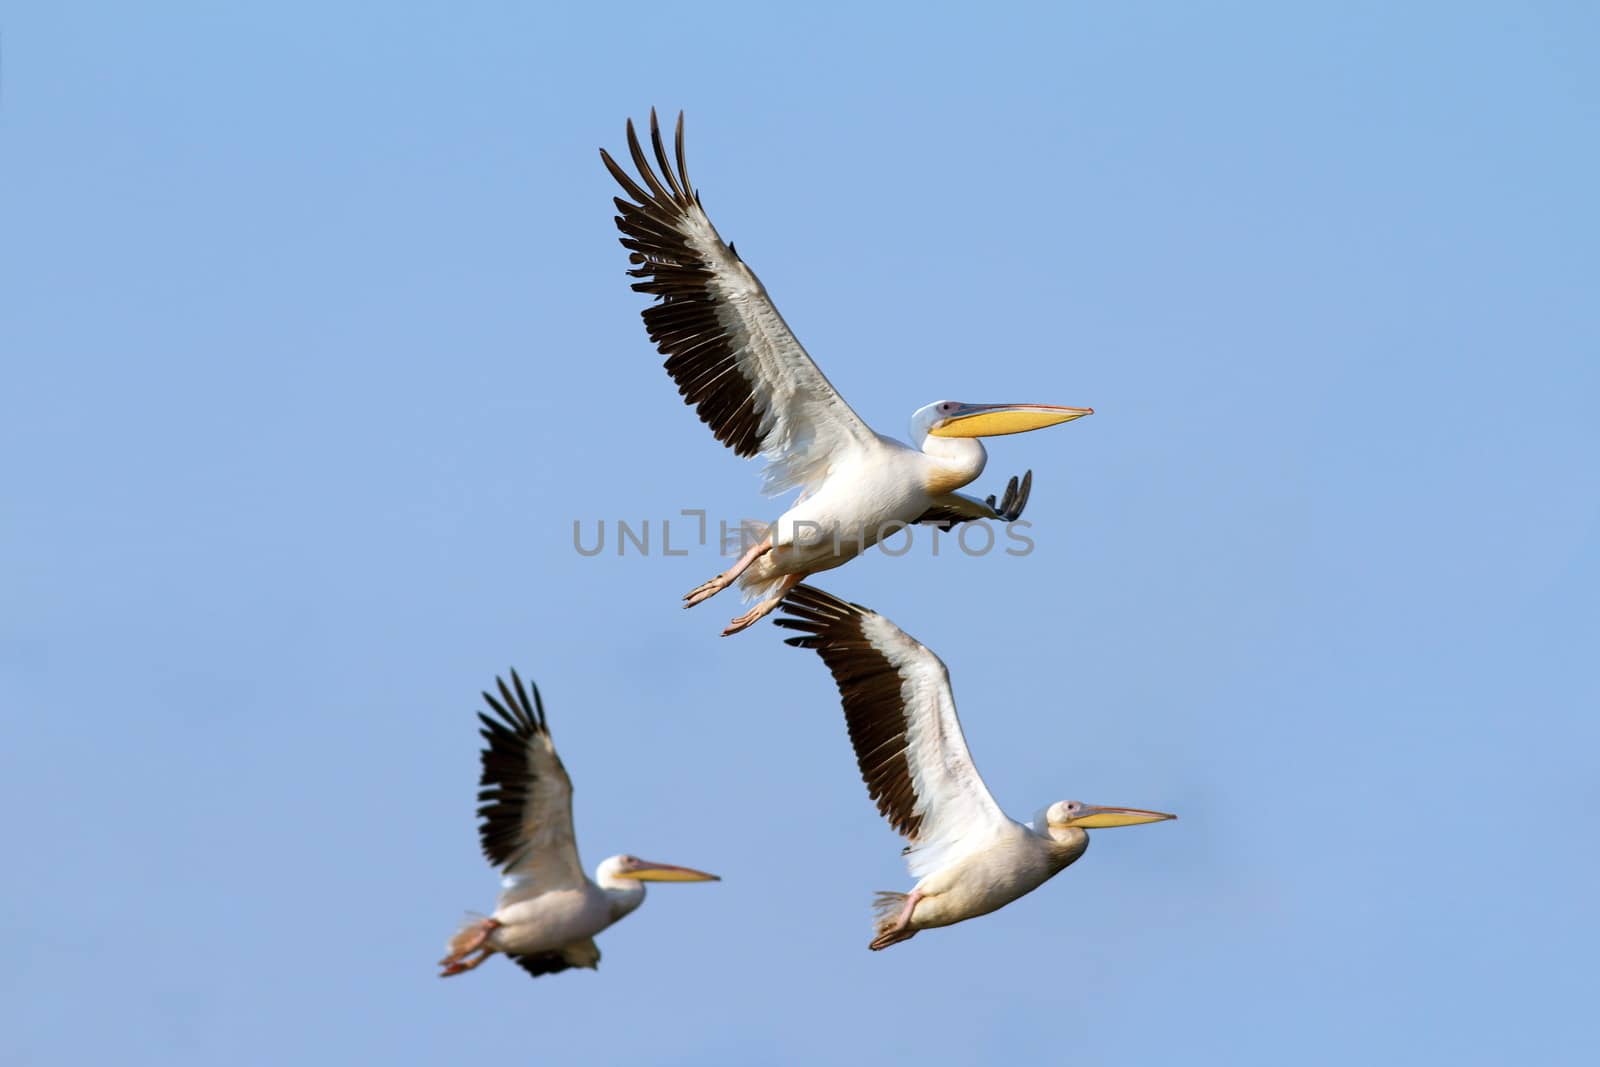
{"type": "Point", "coordinates": [661, 157]}
{"type": "Point", "coordinates": [683, 170]}
{"type": "Point", "coordinates": [870, 691]}
{"type": "Point", "coordinates": [685, 323]}
{"type": "Point", "coordinates": [505, 780]}
{"type": "Point", "coordinates": [543, 963]}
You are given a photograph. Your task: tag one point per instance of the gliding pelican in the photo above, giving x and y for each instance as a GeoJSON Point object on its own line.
{"type": "Point", "coordinates": [548, 912]}
{"type": "Point", "coordinates": [733, 357]}
{"type": "Point", "coordinates": [969, 857]}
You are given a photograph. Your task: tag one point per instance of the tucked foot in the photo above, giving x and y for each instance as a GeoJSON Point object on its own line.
{"type": "Point", "coordinates": [463, 966]}
{"type": "Point", "coordinates": [892, 932]}
{"type": "Point", "coordinates": [763, 609]}
{"type": "Point", "coordinates": [749, 618]}
{"type": "Point", "coordinates": [894, 937]}
{"type": "Point", "coordinates": [707, 590]}
{"type": "Point", "coordinates": [470, 939]}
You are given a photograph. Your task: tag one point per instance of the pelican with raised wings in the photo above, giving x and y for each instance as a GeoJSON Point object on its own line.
{"type": "Point", "coordinates": [735, 360]}
{"type": "Point", "coordinates": [969, 857]}
{"type": "Point", "coordinates": [549, 911]}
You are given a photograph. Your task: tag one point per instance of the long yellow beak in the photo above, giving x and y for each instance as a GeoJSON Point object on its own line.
{"type": "Point", "coordinates": [1106, 818]}
{"type": "Point", "coordinates": [997, 420]}
{"type": "Point", "coordinates": [645, 871]}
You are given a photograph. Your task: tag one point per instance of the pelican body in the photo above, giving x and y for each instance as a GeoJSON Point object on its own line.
{"type": "Point", "coordinates": [737, 362]}
{"type": "Point", "coordinates": [968, 856]}
{"type": "Point", "coordinates": [548, 912]}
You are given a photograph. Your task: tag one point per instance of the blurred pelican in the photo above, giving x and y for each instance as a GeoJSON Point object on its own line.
{"type": "Point", "coordinates": [734, 359]}
{"type": "Point", "coordinates": [548, 911]}
{"type": "Point", "coordinates": [968, 856]}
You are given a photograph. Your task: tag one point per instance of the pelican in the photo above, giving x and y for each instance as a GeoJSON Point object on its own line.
{"type": "Point", "coordinates": [548, 912]}
{"type": "Point", "coordinates": [733, 358]}
{"type": "Point", "coordinates": [969, 857]}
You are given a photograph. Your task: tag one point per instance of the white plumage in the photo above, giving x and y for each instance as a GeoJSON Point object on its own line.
{"type": "Point", "coordinates": [548, 912]}
{"type": "Point", "coordinates": [737, 362]}
{"type": "Point", "coordinates": [969, 857]}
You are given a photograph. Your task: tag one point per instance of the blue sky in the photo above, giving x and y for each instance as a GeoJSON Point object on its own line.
{"type": "Point", "coordinates": [318, 341]}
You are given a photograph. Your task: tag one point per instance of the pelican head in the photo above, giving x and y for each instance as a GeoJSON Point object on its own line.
{"type": "Point", "coordinates": [951, 418]}
{"type": "Point", "coordinates": [635, 869]}
{"type": "Point", "coordinates": [1076, 815]}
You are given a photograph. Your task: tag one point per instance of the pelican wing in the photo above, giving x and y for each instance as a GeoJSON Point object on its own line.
{"type": "Point", "coordinates": [731, 353]}
{"type": "Point", "coordinates": [525, 796]}
{"type": "Point", "coordinates": [952, 509]}
{"type": "Point", "coordinates": [542, 964]}
{"type": "Point", "coordinates": [902, 721]}
{"type": "Point", "coordinates": [581, 954]}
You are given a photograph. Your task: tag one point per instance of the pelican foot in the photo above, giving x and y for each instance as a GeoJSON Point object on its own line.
{"type": "Point", "coordinates": [899, 930]}
{"type": "Point", "coordinates": [471, 939]}
{"type": "Point", "coordinates": [763, 609]}
{"type": "Point", "coordinates": [893, 937]}
{"type": "Point", "coordinates": [707, 590]}
{"type": "Point", "coordinates": [463, 966]}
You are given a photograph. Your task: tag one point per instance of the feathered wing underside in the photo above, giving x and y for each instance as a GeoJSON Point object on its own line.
{"type": "Point", "coordinates": [581, 954]}
{"type": "Point", "coordinates": [902, 722]}
{"type": "Point", "coordinates": [525, 796]}
{"type": "Point", "coordinates": [730, 352]}
{"type": "Point", "coordinates": [952, 509]}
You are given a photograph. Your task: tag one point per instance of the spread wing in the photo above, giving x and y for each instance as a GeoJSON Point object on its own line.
{"type": "Point", "coordinates": [732, 355]}
{"type": "Point", "coordinates": [903, 726]}
{"type": "Point", "coordinates": [952, 509]}
{"type": "Point", "coordinates": [525, 796]}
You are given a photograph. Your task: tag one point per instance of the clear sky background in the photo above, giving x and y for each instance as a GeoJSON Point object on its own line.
{"type": "Point", "coordinates": [317, 341]}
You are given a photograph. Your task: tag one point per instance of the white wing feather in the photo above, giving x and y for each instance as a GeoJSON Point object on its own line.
{"type": "Point", "coordinates": [902, 720]}
{"type": "Point", "coordinates": [957, 810]}
{"type": "Point", "coordinates": [727, 346]}
{"type": "Point", "coordinates": [525, 797]}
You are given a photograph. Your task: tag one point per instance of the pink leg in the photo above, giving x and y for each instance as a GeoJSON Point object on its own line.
{"type": "Point", "coordinates": [469, 941]}
{"type": "Point", "coordinates": [463, 966]}
{"type": "Point", "coordinates": [716, 585]}
{"type": "Point", "coordinates": [901, 930]}
{"type": "Point", "coordinates": [765, 608]}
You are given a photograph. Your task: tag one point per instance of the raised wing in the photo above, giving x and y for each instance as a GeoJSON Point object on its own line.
{"type": "Point", "coordinates": [903, 726]}
{"type": "Point", "coordinates": [727, 347]}
{"type": "Point", "coordinates": [952, 509]}
{"type": "Point", "coordinates": [525, 796]}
